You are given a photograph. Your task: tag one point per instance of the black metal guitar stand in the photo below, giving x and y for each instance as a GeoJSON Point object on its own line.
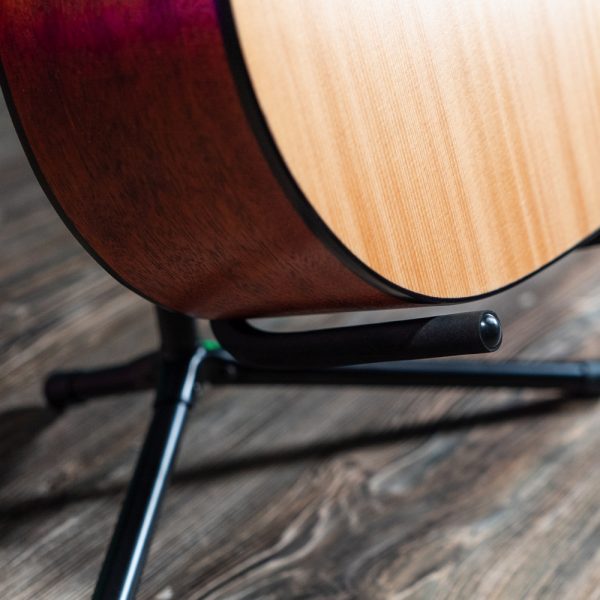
{"type": "Point", "coordinates": [342, 356]}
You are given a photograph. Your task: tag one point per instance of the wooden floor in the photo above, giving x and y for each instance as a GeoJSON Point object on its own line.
{"type": "Point", "coordinates": [284, 492]}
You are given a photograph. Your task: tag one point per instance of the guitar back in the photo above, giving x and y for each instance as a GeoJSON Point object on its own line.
{"type": "Point", "coordinates": [261, 157]}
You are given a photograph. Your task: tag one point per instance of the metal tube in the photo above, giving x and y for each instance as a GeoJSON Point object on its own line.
{"type": "Point", "coordinates": [582, 376]}
{"type": "Point", "coordinates": [64, 389]}
{"type": "Point", "coordinates": [432, 337]}
{"type": "Point", "coordinates": [129, 546]}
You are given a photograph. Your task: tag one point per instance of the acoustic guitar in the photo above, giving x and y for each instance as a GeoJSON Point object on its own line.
{"type": "Point", "coordinates": [259, 157]}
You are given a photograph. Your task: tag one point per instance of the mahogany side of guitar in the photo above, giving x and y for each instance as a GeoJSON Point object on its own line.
{"type": "Point", "coordinates": [143, 126]}
{"type": "Point", "coordinates": [134, 120]}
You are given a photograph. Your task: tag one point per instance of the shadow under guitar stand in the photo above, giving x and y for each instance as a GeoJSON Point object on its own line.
{"type": "Point", "coordinates": [364, 355]}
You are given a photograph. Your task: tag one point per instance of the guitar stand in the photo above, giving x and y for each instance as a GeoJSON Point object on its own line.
{"type": "Point", "coordinates": [342, 356]}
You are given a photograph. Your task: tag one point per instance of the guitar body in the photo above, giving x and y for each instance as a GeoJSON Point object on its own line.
{"type": "Point", "coordinates": [261, 157]}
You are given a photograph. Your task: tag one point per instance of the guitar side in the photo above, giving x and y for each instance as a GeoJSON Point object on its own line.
{"type": "Point", "coordinates": [135, 128]}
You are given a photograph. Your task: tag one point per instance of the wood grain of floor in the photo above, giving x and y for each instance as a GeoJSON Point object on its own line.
{"type": "Point", "coordinates": [287, 493]}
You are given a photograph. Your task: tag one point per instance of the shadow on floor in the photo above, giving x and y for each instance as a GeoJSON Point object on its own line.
{"type": "Point", "coordinates": [18, 429]}
{"type": "Point", "coordinates": [32, 421]}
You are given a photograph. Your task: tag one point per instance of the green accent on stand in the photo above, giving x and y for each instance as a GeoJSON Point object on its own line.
{"type": "Point", "coordinates": [210, 345]}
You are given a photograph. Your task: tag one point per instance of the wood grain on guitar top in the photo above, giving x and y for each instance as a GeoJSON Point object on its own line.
{"type": "Point", "coordinates": [454, 147]}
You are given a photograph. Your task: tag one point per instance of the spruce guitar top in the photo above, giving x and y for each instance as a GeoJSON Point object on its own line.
{"type": "Point", "coordinates": [254, 157]}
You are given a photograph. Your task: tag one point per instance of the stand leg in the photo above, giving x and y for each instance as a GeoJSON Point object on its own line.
{"type": "Point", "coordinates": [582, 377]}
{"type": "Point", "coordinates": [64, 389]}
{"type": "Point", "coordinates": [129, 546]}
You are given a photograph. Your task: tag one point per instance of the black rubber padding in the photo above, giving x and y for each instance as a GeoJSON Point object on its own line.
{"type": "Point", "coordinates": [64, 389]}
{"type": "Point", "coordinates": [447, 335]}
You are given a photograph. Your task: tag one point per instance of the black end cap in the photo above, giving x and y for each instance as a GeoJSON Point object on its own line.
{"type": "Point", "coordinates": [490, 330]}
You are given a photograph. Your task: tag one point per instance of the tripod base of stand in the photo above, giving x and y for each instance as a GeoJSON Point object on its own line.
{"type": "Point", "coordinates": [184, 362]}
